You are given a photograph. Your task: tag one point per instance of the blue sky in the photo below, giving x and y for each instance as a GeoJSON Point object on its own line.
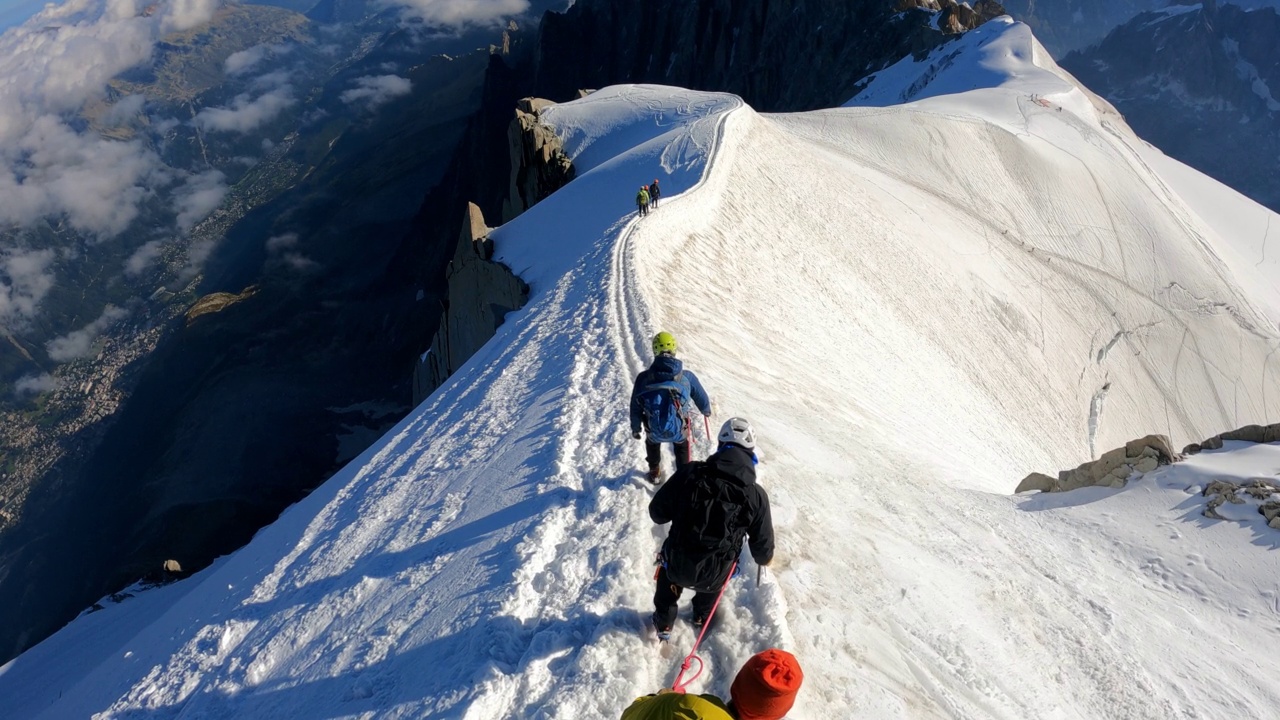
{"type": "Point", "coordinates": [14, 12]}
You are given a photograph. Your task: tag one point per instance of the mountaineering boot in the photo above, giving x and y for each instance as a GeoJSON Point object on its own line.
{"type": "Point", "coordinates": [664, 633]}
{"type": "Point", "coordinates": [655, 474]}
{"type": "Point", "coordinates": [701, 620]}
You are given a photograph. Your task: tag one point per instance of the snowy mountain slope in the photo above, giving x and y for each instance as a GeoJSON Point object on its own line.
{"type": "Point", "coordinates": [915, 306]}
{"type": "Point", "coordinates": [1005, 59]}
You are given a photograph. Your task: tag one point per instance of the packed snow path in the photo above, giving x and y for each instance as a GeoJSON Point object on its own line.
{"type": "Point", "coordinates": [915, 306]}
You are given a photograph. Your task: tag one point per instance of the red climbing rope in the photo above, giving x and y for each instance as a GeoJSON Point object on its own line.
{"type": "Point", "coordinates": [679, 686]}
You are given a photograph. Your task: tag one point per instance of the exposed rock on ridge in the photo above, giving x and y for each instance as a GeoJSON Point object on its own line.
{"type": "Point", "coordinates": [1145, 454]}
{"type": "Point", "coordinates": [1113, 469]}
{"type": "Point", "coordinates": [777, 56]}
{"type": "Point", "coordinates": [1264, 491]}
{"type": "Point", "coordinates": [481, 293]}
{"type": "Point", "coordinates": [1248, 433]}
{"type": "Point", "coordinates": [954, 17]}
{"type": "Point", "coordinates": [539, 165]}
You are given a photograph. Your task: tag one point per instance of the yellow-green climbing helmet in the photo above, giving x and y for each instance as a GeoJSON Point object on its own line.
{"type": "Point", "coordinates": [664, 342]}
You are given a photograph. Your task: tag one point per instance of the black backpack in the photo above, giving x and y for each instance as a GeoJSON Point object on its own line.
{"type": "Point", "coordinates": [706, 534]}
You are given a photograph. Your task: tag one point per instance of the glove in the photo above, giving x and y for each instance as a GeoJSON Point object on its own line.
{"type": "Point", "coordinates": [636, 434]}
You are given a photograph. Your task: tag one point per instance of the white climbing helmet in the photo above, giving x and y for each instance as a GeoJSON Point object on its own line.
{"type": "Point", "coordinates": [738, 431]}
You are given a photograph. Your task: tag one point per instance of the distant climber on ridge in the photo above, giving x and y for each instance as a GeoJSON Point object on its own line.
{"type": "Point", "coordinates": [654, 193]}
{"type": "Point", "coordinates": [711, 506]}
{"type": "Point", "coordinates": [764, 689]}
{"type": "Point", "coordinates": [662, 401]}
{"type": "Point", "coordinates": [642, 201]}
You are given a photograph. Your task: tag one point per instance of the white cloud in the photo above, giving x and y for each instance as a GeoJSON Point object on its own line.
{"type": "Point", "coordinates": [50, 66]}
{"type": "Point", "coordinates": [276, 243]}
{"type": "Point", "coordinates": [197, 255]}
{"type": "Point", "coordinates": [201, 194]}
{"type": "Point", "coordinates": [35, 384]}
{"type": "Point", "coordinates": [373, 90]}
{"type": "Point", "coordinates": [163, 126]}
{"type": "Point", "coordinates": [125, 110]}
{"type": "Point", "coordinates": [246, 113]}
{"type": "Point", "coordinates": [79, 343]}
{"type": "Point", "coordinates": [143, 258]}
{"type": "Point", "coordinates": [241, 62]}
{"type": "Point", "coordinates": [459, 13]}
{"type": "Point", "coordinates": [299, 262]}
{"type": "Point", "coordinates": [25, 278]}
{"type": "Point", "coordinates": [186, 14]}
{"type": "Point", "coordinates": [273, 79]}
{"type": "Point", "coordinates": [56, 70]}
{"type": "Point", "coordinates": [97, 184]}
{"type": "Point", "coordinates": [281, 248]}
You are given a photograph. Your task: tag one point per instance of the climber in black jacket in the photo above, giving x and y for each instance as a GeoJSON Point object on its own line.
{"type": "Point", "coordinates": [711, 506]}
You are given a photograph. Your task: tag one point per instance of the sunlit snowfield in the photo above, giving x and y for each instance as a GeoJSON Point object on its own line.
{"type": "Point", "coordinates": [916, 305]}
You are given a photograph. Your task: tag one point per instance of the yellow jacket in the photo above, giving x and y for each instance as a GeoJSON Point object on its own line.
{"type": "Point", "coordinates": [677, 706]}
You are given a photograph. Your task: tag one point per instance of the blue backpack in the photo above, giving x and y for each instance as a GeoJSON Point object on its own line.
{"type": "Point", "coordinates": [666, 409]}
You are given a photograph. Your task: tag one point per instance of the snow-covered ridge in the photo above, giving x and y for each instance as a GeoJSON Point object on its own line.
{"type": "Point", "coordinates": [1000, 54]}
{"type": "Point", "coordinates": [915, 306]}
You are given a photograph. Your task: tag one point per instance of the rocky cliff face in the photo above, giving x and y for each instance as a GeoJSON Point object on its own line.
{"type": "Point", "coordinates": [1202, 83]}
{"type": "Point", "coordinates": [481, 293]}
{"type": "Point", "coordinates": [539, 166]}
{"type": "Point", "coordinates": [777, 56]}
{"type": "Point", "coordinates": [953, 17]}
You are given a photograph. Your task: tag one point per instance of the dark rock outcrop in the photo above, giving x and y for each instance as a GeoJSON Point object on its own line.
{"type": "Point", "coordinates": [1270, 510]}
{"type": "Point", "coordinates": [1248, 433]}
{"type": "Point", "coordinates": [1264, 491]}
{"type": "Point", "coordinates": [539, 165]}
{"type": "Point", "coordinates": [954, 17]}
{"type": "Point", "coordinates": [1203, 85]}
{"type": "Point", "coordinates": [481, 293]}
{"type": "Point", "coordinates": [777, 56]}
{"type": "Point", "coordinates": [1112, 469]}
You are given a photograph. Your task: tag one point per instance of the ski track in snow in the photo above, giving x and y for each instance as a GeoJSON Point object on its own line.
{"type": "Point", "coordinates": [914, 313]}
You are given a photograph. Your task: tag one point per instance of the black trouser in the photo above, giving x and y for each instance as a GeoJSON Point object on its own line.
{"type": "Point", "coordinates": [666, 595]}
{"type": "Point", "coordinates": [653, 453]}
{"type": "Point", "coordinates": [642, 208]}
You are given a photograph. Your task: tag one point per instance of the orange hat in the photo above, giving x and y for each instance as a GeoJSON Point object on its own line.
{"type": "Point", "coordinates": [766, 686]}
